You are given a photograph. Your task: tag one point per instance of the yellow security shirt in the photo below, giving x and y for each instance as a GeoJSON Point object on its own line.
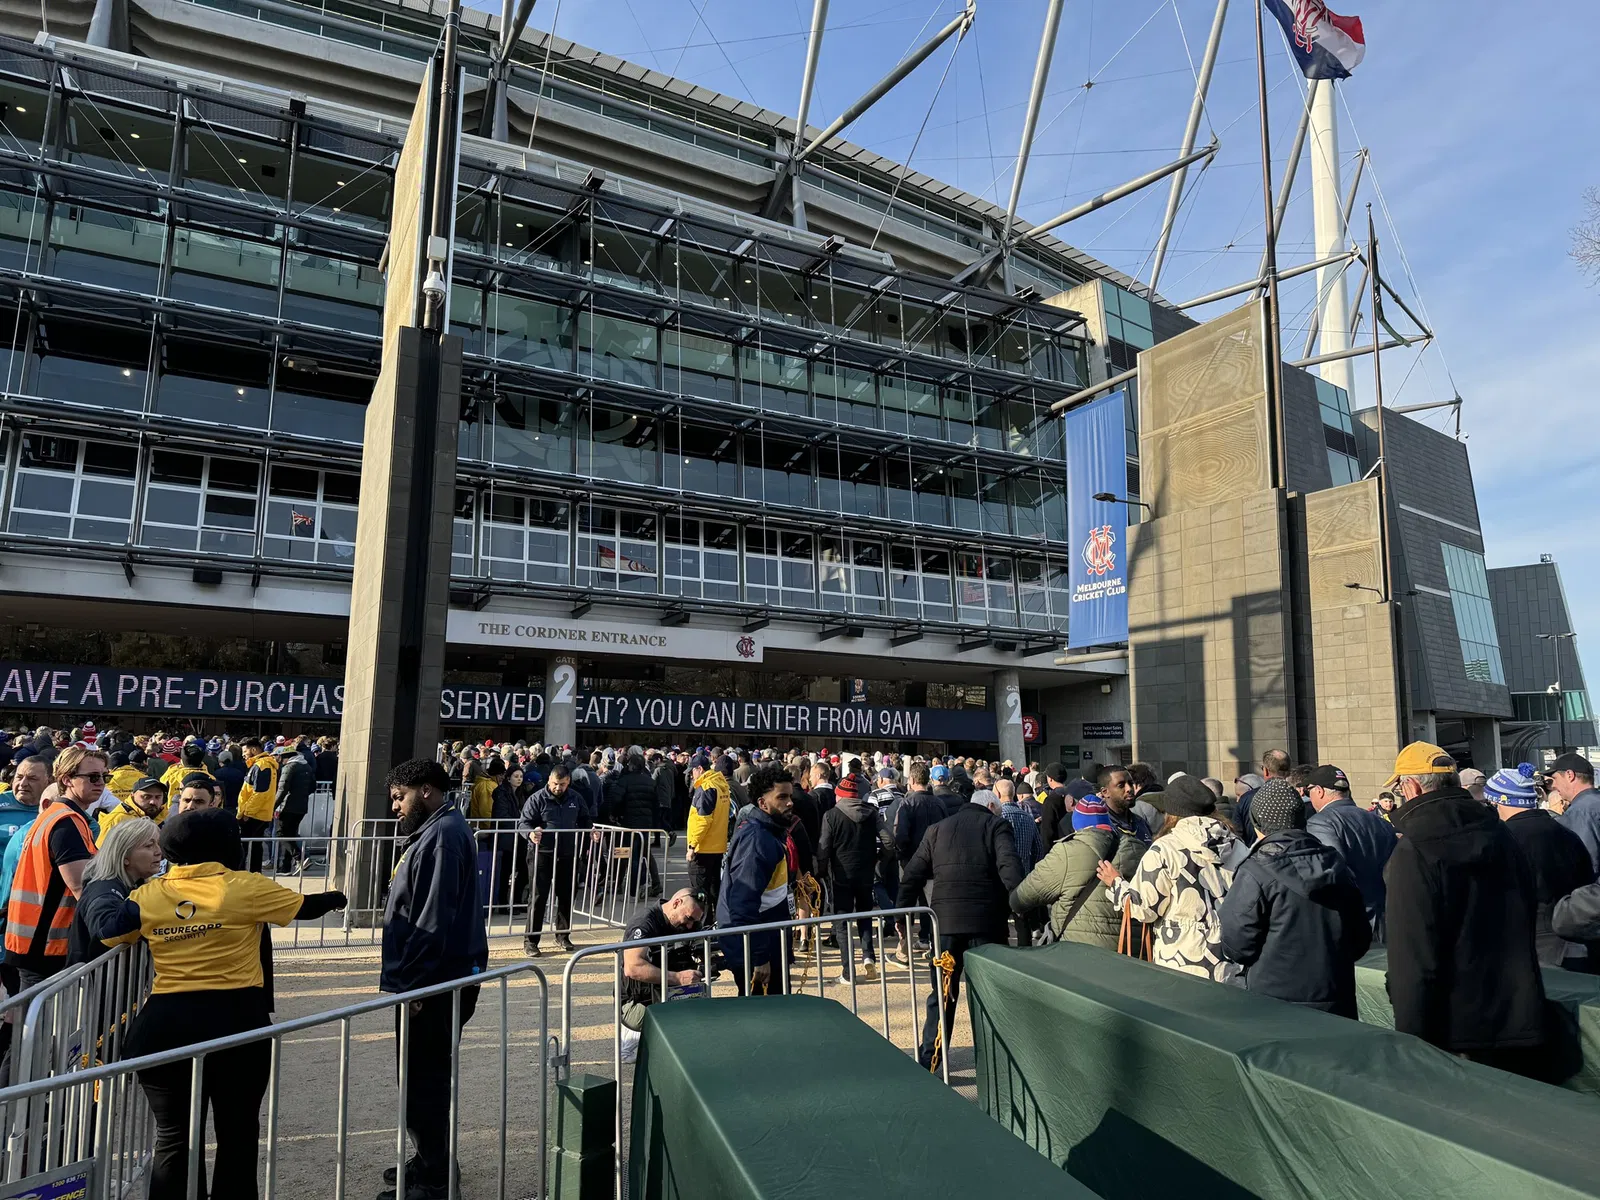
{"type": "Point", "coordinates": [126, 811]}
{"type": "Point", "coordinates": [203, 923]}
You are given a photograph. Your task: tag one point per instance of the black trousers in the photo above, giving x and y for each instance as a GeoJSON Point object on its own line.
{"type": "Point", "coordinates": [428, 1080]}
{"type": "Point", "coordinates": [288, 833]}
{"type": "Point", "coordinates": [550, 872]}
{"type": "Point", "coordinates": [233, 1084]}
{"type": "Point", "coordinates": [249, 829]}
{"type": "Point", "coordinates": [958, 947]}
{"type": "Point", "coordinates": [775, 981]}
{"type": "Point", "coordinates": [848, 898]}
{"type": "Point", "coordinates": [705, 877]}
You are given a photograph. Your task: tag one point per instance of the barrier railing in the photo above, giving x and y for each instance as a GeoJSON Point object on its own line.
{"type": "Point", "coordinates": [702, 943]}
{"type": "Point", "coordinates": [81, 1121]}
{"type": "Point", "coordinates": [72, 1021]}
{"type": "Point", "coordinates": [574, 879]}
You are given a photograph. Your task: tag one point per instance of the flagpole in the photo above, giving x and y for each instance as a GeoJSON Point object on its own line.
{"type": "Point", "coordinates": [1385, 529]}
{"type": "Point", "coordinates": [1269, 274]}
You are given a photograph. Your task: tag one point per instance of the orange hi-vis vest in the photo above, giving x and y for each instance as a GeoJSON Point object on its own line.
{"type": "Point", "coordinates": [30, 890]}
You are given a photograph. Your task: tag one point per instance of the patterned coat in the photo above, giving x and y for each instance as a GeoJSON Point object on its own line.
{"type": "Point", "coordinates": [1177, 890]}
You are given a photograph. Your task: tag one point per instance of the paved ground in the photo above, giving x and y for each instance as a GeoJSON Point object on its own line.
{"type": "Point", "coordinates": [310, 980]}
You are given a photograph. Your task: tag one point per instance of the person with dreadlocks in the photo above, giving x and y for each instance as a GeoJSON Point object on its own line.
{"type": "Point", "coordinates": [755, 883]}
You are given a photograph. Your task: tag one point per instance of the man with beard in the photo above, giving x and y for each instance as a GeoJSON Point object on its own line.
{"type": "Point", "coordinates": [433, 932]}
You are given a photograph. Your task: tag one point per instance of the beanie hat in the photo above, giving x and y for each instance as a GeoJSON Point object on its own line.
{"type": "Point", "coordinates": [1186, 796]}
{"type": "Point", "coordinates": [1276, 806]}
{"type": "Point", "coordinates": [1514, 789]}
{"type": "Point", "coordinates": [1079, 788]}
{"type": "Point", "coordinates": [1089, 812]}
{"type": "Point", "coordinates": [202, 835]}
{"type": "Point", "coordinates": [725, 764]}
{"type": "Point", "coordinates": [848, 788]}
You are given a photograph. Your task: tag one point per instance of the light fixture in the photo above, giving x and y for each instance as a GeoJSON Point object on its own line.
{"type": "Point", "coordinates": [336, 209]}
{"type": "Point", "coordinates": [519, 224]}
{"type": "Point", "coordinates": [241, 160]}
{"type": "Point", "coordinates": [20, 109]}
{"type": "Point", "coordinates": [141, 170]}
{"type": "Point", "coordinates": [239, 390]}
{"type": "Point", "coordinates": [126, 372]}
{"type": "Point", "coordinates": [134, 136]}
{"type": "Point", "coordinates": [338, 183]}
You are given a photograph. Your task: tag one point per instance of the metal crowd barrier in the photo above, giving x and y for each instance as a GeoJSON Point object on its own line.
{"type": "Point", "coordinates": [598, 875]}
{"type": "Point", "coordinates": [916, 974]}
{"type": "Point", "coordinates": [92, 1127]}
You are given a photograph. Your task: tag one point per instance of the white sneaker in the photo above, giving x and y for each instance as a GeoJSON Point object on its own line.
{"type": "Point", "coordinates": [869, 971]}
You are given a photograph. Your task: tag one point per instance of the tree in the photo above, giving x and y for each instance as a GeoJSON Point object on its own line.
{"type": "Point", "coordinates": [1586, 236]}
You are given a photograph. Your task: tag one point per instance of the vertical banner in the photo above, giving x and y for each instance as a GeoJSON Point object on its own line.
{"type": "Point", "coordinates": [1097, 462]}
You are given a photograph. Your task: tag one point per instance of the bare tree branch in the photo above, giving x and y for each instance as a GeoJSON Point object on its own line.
{"type": "Point", "coordinates": [1586, 236]}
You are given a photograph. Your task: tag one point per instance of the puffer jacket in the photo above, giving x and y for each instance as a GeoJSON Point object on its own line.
{"type": "Point", "coordinates": [1364, 840]}
{"type": "Point", "coordinates": [1296, 921]}
{"type": "Point", "coordinates": [971, 860]}
{"type": "Point", "coordinates": [854, 841]}
{"type": "Point", "coordinates": [1176, 889]}
{"type": "Point", "coordinates": [630, 799]}
{"type": "Point", "coordinates": [1080, 910]}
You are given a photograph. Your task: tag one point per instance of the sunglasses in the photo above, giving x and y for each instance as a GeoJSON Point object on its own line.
{"type": "Point", "coordinates": [92, 776]}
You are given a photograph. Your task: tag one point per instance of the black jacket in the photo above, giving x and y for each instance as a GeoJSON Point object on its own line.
{"type": "Point", "coordinates": [296, 778]}
{"type": "Point", "coordinates": [971, 860]}
{"type": "Point", "coordinates": [1364, 840]}
{"type": "Point", "coordinates": [917, 813]}
{"type": "Point", "coordinates": [543, 811]}
{"type": "Point", "coordinates": [328, 766]}
{"type": "Point", "coordinates": [854, 841]}
{"type": "Point", "coordinates": [1463, 967]}
{"type": "Point", "coordinates": [1295, 919]}
{"type": "Point", "coordinates": [1560, 863]}
{"type": "Point", "coordinates": [1057, 821]}
{"type": "Point", "coordinates": [810, 814]}
{"type": "Point", "coordinates": [947, 796]}
{"type": "Point", "coordinates": [630, 799]}
{"type": "Point", "coordinates": [434, 926]}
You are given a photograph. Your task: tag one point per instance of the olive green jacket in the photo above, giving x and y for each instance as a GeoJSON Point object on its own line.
{"type": "Point", "coordinates": [1064, 879]}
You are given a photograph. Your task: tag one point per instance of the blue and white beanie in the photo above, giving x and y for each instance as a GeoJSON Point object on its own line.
{"type": "Point", "coordinates": [1514, 789]}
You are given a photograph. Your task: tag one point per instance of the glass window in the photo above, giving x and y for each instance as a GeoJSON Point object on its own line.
{"type": "Point", "coordinates": [702, 458]}
{"type": "Point", "coordinates": [321, 398]}
{"type": "Point", "coordinates": [702, 559]}
{"type": "Point", "coordinates": [463, 534]}
{"type": "Point", "coordinates": [1342, 467]}
{"type": "Point", "coordinates": [846, 395]}
{"type": "Point", "coordinates": [705, 278]}
{"type": "Point", "coordinates": [848, 480]}
{"type": "Point", "coordinates": [201, 502]}
{"type": "Point", "coordinates": [528, 331]}
{"type": "Point", "coordinates": [224, 271]}
{"type": "Point", "coordinates": [919, 582]}
{"type": "Point", "coordinates": [107, 249]}
{"type": "Point", "coordinates": [115, 140]}
{"type": "Point", "coordinates": [697, 366]}
{"type": "Point", "coordinates": [530, 431]}
{"type": "Point", "coordinates": [68, 488]}
{"type": "Point", "coordinates": [618, 446]}
{"type": "Point", "coordinates": [524, 537]}
{"type": "Point", "coordinates": [311, 515]}
{"type": "Point", "coordinates": [780, 567]}
{"type": "Point", "coordinates": [340, 293]}
{"type": "Point", "coordinates": [339, 189]}
{"type": "Point", "coordinates": [911, 406]}
{"type": "Point", "coordinates": [611, 348]}
{"type": "Point", "coordinates": [235, 167]}
{"type": "Point", "coordinates": [621, 258]}
{"type": "Point", "coordinates": [99, 365]}
{"type": "Point", "coordinates": [1127, 317]}
{"type": "Point", "coordinates": [1469, 597]}
{"type": "Point", "coordinates": [777, 470]}
{"type": "Point", "coordinates": [985, 589]}
{"type": "Point", "coordinates": [616, 548]}
{"type": "Point", "coordinates": [213, 381]}
{"type": "Point", "coordinates": [533, 237]}
{"type": "Point", "coordinates": [774, 381]}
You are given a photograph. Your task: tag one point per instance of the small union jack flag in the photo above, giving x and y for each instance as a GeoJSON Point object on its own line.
{"type": "Point", "coordinates": [304, 524]}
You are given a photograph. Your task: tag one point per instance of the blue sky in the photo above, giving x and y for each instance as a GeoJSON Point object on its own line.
{"type": "Point", "coordinates": [1482, 130]}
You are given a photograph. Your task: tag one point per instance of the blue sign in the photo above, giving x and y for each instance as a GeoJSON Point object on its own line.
{"type": "Point", "coordinates": [1097, 464]}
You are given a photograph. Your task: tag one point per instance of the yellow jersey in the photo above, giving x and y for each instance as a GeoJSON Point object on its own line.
{"type": "Point", "coordinates": [259, 795]}
{"type": "Point", "coordinates": [125, 811]}
{"type": "Point", "coordinates": [203, 923]}
{"type": "Point", "coordinates": [122, 781]}
{"type": "Point", "coordinates": [174, 776]}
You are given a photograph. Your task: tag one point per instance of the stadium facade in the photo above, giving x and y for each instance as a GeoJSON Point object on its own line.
{"type": "Point", "coordinates": [703, 454]}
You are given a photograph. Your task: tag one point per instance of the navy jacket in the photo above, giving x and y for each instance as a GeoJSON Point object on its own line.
{"type": "Point", "coordinates": [1294, 919]}
{"type": "Point", "coordinates": [917, 813]}
{"type": "Point", "coordinates": [1364, 840]}
{"type": "Point", "coordinates": [434, 926]}
{"type": "Point", "coordinates": [541, 810]}
{"type": "Point", "coordinates": [1583, 818]}
{"type": "Point", "coordinates": [756, 863]}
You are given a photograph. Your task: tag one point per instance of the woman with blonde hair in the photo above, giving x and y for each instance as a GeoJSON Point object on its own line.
{"type": "Point", "coordinates": [129, 854]}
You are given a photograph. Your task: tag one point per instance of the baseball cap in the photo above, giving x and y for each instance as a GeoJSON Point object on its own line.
{"type": "Point", "coordinates": [1421, 758]}
{"type": "Point", "coordinates": [1328, 776]}
{"type": "Point", "coordinates": [939, 772]}
{"type": "Point", "coordinates": [148, 782]}
{"type": "Point", "coordinates": [195, 778]}
{"type": "Point", "coordinates": [1572, 762]}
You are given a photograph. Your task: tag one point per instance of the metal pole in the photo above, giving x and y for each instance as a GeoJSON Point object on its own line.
{"type": "Point", "coordinates": [1274, 356]}
{"type": "Point", "coordinates": [907, 65]}
{"type": "Point", "coordinates": [1330, 225]}
{"type": "Point", "coordinates": [1041, 75]}
{"type": "Point", "coordinates": [1344, 223]}
{"type": "Point", "coordinates": [1251, 285]}
{"type": "Point", "coordinates": [1385, 530]}
{"type": "Point", "coordinates": [444, 197]}
{"type": "Point", "coordinates": [1201, 87]}
{"type": "Point", "coordinates": [819, 21]}
{"type": "Point", "coordinates": [1117, 193]}
{"type": "Point", "coordinates": [518, 24]}
{"type": "Point", "coordinates": [1291, 168]}
{"type": "Point", "coordinates": [1358, 351]}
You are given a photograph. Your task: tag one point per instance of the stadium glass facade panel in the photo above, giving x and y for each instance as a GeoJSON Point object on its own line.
{"type": "Point", "coordinates": [654, 405]}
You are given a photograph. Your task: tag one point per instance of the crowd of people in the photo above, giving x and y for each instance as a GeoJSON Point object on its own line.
{"type": "Point", "coordinates": [1278, 885]}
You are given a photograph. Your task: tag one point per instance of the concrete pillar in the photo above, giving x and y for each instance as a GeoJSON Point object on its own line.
{"type": "Point", "coordinates": [1328, 210]}
{"type": "Point", "coordinates": [561, 701]}
{"type": "Point", "coordinates": [1483, 735]}
{"type": "Point", "coordinates": [1007, 699]}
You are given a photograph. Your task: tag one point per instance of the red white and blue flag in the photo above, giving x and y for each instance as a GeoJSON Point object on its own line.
{"type": "Point", "coordinates": [1326, 45]}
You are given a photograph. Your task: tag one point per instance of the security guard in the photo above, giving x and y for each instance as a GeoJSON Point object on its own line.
{"type": "Point", "coordinates": [258, 800]}
{"type": "Point", "coordinates": [149, 799]}
{"type": "Point", "coordinates": [191, 761]}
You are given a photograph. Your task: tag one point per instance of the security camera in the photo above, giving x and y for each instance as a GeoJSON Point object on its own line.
{"type": "Point", "coordinates": [433, 287]}
{"type": "Point", "coordinates": [1553, 690]}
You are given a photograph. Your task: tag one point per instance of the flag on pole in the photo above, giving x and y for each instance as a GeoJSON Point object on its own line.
{"type": "Point", "coordinates": [1326, 45]}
